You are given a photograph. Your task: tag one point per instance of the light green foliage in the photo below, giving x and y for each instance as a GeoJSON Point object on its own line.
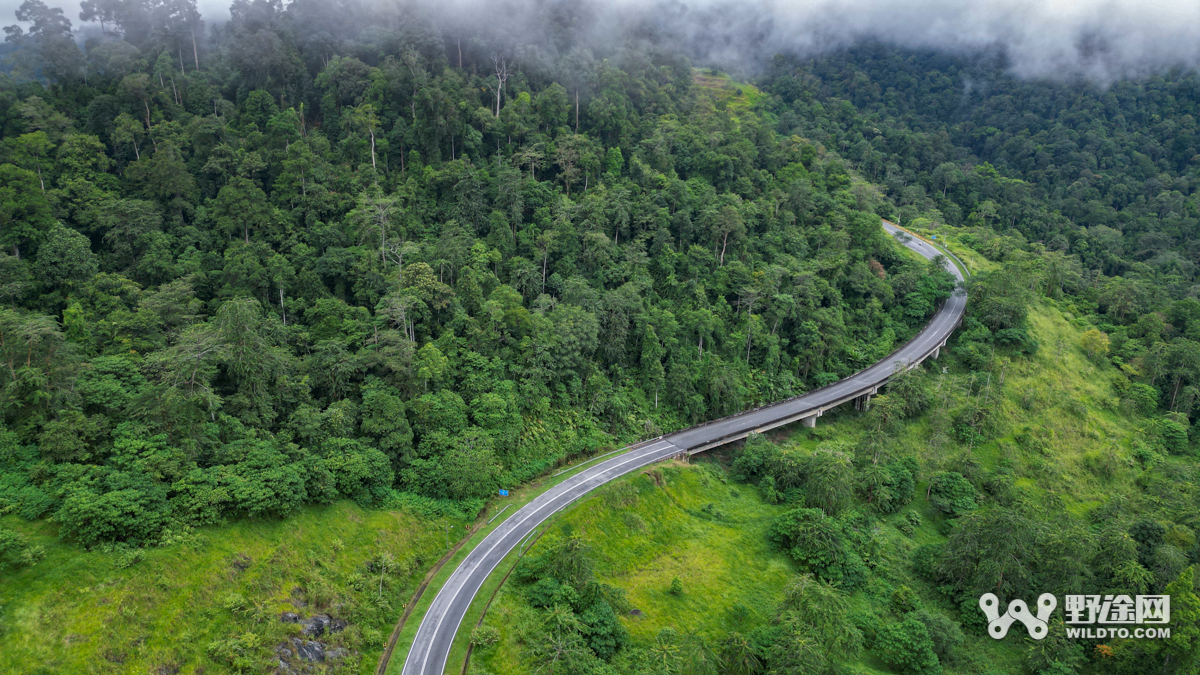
{"type": "Point", "coordinates": [1094, 343]}
{"type": "Point", "coordinates": [239, 577]}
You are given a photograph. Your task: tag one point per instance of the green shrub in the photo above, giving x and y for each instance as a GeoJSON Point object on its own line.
{"type": "Point", "coordinates": [817, 542]}
{"type": "Point", "coordinates": [15, 548]}
{"type": "Point", "coordinates": [945, 633]}
{"type": "Point", "coordinates": [360, 472]}
{"type": "Point", "coordinates": [952, 494]}
{"type": "Point", "coordinates": [131, 515]}
{"type": "Point", "coordinates": [1170, 435]}
{"type": "Point", "coordinates": [904, 599]}
{"type": "Point", "coordinates": [907, 648]}
{"type": "Point", "coordinates": [484, 637]}
{"type": "Point", "coordinates": [255, 479]}
{"type": "Point", "coordinates": [925, 559]}
{"type": "Point", "coordinates": [602, 630]}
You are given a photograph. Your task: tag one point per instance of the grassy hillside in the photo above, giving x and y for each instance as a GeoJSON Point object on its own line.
{"type": "Point", "coordinates": [1060, 440]}
{"type": "Point", "coordinates": [671, 521]}
{"type": "Point", "coordinates": [737, 96]}
{"type": "Point", "coordinates": [211, 602]}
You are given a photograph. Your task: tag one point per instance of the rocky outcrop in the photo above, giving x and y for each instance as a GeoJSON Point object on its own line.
{"type": "Point", "coordinates": [297, 655]}
{"type": "Point", "coordinates": [316, 625]}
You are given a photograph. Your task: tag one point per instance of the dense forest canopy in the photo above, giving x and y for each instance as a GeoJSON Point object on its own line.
{"type": "Point", "coordinates": [279, 267]}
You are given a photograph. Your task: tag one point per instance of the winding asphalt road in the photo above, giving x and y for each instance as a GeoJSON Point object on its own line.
{"type": "Point", "coordinates": [431, 646]}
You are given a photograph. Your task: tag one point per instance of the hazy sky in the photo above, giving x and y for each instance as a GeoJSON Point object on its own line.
{"type": "Point", "coordinates": [1098, 39]}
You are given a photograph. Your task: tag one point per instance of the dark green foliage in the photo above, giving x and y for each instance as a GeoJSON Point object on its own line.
{"type": "Point", "coordinates": [603, 632]}
{"type": "Point", "coordinates": [952, 493]}
{"type": "Point", "coordinates": [816, 542]}
{"type": "Point", "coordinates": [256, 480]}
{"type": "Point", "coordinates": [890, 486]}
{"type": "Point", "coordinates": [116, 508]}
{"type": "Point", "coordinates": [548, 592]}
{"type": "Point", "coordinates": [925, 560]}
{"type": "Point", "coordinates": [944, 633]}
{"type": "Point", "coordinates": [576, 609]}
{"type": "Point", "coordinates": [1004, 551]}
{"type": "Point", "coordinates": [360, 472]}
{"type": "Point", "coordinates": [1171, 435]}
{"type": "Point", "coordinates": [380, 253]}
{"type": "Point", "coordinates": [16, 550]}
{"type": "Point", "coordinates": [907, 647]}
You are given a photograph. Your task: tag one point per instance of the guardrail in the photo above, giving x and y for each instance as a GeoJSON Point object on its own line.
{"type": "Point", "coordinates": [819, 409]}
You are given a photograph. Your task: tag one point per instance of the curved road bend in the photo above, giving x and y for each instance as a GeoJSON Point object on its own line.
{"type": "Point", "coordinates": [431, 646]}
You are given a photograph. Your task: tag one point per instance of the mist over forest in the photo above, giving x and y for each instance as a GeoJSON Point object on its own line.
{"type": "Point", "coordinates": [1097, 40]}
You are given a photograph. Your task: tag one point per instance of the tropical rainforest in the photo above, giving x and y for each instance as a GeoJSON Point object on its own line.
{"type": "Point", "coordinates": [337, 269]}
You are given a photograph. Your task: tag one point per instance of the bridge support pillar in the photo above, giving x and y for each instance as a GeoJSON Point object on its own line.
{"type": "Point", "coordinates": [810, 422]}
{"type": "Point", "coordinates": [936, 351]}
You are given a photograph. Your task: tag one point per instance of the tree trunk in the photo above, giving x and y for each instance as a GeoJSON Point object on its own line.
{"type": "Point", "coordinates": [460, 53]}
{"type": "Point", "coordinates": [147, 105]}
{"type": "Point", "coordinates": [724, 243]}
{"type": "Point", "coordinates": [372, 148]}
{"type": "Point", "coordinates": [282, 309]}
{"type": "Point", "coordinates": [195, 52]}
{"type": "Point", "coordinates": [576, 109]}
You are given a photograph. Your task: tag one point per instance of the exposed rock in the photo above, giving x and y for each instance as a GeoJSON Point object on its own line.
{"type": "Point", "coordinates": [320, 624]}
{"type": "Point", "coordinates": [339, 653]}
{"type": "Point", "coordinates": [635, 612]}
{"type": "Point", "coordinates": [309, 650]}
{"type": "Point", "coordinates": [289, 617]}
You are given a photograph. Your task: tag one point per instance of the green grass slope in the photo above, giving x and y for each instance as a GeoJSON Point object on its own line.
{"type": "Point", "coordinates": [211, 602]}
{"type": "Point", "coordinates": [645, 530]}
